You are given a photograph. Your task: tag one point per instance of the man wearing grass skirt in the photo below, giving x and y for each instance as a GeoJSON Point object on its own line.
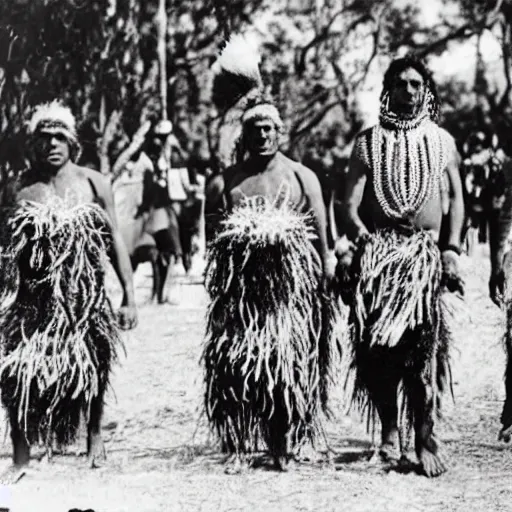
{"type": "Point", "coordinates": [267, 172]}
{"type": "Point", "coordinates": [58, 222]}
{"type": "Point", "coordinates": [404, 211]}
{"type": "Point", "coordinates": [267, 350]}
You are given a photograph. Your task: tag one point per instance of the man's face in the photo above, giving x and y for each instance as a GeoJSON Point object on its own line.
{"type": "Point", "coordinates": [52, 149]}
{"type": "Point", "coordinates": [262, 137]}
{"type": "Point", "coordinates": [406, 95]}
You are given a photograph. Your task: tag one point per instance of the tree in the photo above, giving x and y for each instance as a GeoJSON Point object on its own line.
{"type": "Point", "coordinates": [101, 57]}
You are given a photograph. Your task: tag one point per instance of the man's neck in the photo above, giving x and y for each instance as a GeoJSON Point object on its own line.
{"type": "Point", "coordinates": [399, 120]}
{"type": "Point", "coordinates": [405, 113]}
{"type": "Point", "coordinates": [261, 163]}
{"type": "Point", "coordinates": [49, 173]}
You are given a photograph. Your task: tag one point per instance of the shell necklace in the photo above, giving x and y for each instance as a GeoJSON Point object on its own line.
{"type": "Point", "coordinates": [407, 165]}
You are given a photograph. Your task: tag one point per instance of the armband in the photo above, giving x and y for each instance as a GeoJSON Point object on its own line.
{"type": "Point", "coordinates": [453, 248]}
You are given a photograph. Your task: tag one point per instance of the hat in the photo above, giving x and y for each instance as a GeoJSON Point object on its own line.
{"type": "Point", "coordinates": [263, 111]}
{"type": "Point", "coordinates": [55, 118]}
{"type": "Point", "coordinates": [52, 118]}
{"type": "Point", "coordinates": [239, 92]}
{"type": "Point", "coordinates": [163, 128]}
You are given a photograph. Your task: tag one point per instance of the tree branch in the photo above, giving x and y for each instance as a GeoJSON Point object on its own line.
{"type": "Point", "coordinates": [465, 31]}
{"type": "Point", "coordinates": [507, 62]}
{"type": "Point", "coordinates": [133, 147]}
{"type": "Point", "coordinates": [107, 138]}
{"type": "Point", "coordinates": [317, 117]}
{"type": "Point", "coordinates": [324, 34]}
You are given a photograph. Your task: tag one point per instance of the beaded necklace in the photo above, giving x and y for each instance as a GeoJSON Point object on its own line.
{"type": "Point", "coordinates": [407, 158]}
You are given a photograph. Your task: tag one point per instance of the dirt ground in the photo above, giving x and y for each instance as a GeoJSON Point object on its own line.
{"type": "Point", "coordinates": [161, 457]}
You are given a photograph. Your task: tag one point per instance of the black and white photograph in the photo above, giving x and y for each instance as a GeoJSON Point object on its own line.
{"type": "Point", "coordinates": [256, 255]}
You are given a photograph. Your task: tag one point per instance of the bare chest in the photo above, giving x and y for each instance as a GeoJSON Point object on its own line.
{"type": "Point", "coordinates": [428, 216]}
{"type": "Point", "coordinates": [282, 183]}
{"type": "Point", "coordinates": [72, 190]}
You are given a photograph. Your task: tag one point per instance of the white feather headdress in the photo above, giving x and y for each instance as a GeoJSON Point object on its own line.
{"type": "Point", "coordinates": [241, 57]}
{"type": "Point", "coordinates": [239, 94]}
{"type": "Point", "coordinates": [236, 71]}
{"type": "Point", "coordinates": [53, 112]}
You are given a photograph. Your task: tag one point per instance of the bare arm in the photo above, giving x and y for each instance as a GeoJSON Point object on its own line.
{"type": "Point", "coordinates": [331, 219]}
{"type": "Point", "coordinates": [214, 207]}
{"type": "Point", "coordinates": [313, 192]}
{"type": "Point", "coordinates": [456, 213]}
{"type": "Point", "coordinates": [353, 195]}
{"type": "Point", "coordinates": [118, 253]}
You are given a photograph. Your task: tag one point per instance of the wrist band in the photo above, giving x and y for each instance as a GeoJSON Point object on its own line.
{"type": "Point", "coordinates": [454, 248]}
{"type": "Point", "coordinates": [361, 237]}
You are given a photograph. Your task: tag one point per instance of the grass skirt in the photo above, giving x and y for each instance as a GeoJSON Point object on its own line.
{"type": "Point", "coordinates": [269, 342]}
{"type": "Point", "coordinates": [398, 317]}
{"type": "Point", "coordinates": [58, 335]}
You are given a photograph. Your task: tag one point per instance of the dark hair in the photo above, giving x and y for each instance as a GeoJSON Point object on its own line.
{"type": "Point", "coordinates": [409, 61]}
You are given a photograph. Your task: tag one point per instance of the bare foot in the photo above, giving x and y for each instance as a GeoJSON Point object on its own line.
{"type": "Point", "coordinates": [13, 474]}
{"type": "Point", "coordinates": [285, 463]}
{"type": "Point", "coordinates": [384, 455]}
{"type": "Point", "coordinates": [505, 434]}
{"type": "Point", "coordinates": [97, 455]}
{"type": "Point", "coordinates": [388, 453]}
{"type": "Point", "coordinates": [407, 464]}
{"type": "Point", "coordinates": [431, 464]}
{"type": "Point", "coordinates": [235, 465]}
{"type": "Point", "coordinates": [375, 459]}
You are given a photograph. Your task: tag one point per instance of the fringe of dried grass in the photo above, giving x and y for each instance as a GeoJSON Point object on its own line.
{"type": "Point", "coordinates": [406, 300]}
{"type": "Point", "coordinates": [398, 278]}
{"type": "Point", "coordinates": [57, 331]}
{"type": "Point", "coordinates": [269, 348]}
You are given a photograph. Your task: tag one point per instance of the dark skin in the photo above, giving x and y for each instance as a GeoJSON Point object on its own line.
{"type": "Point", "coordinates": [499, 233]}
{"type": "Point", "coordinates": [364, 215]}
{"type": "Point", "coordinates": [264, 173]}
{"type": "Point", "coordinates": [501, 269]}
{"type": "Point", "coordinates": [57, 174]}
{"type": "Point", "coordinates": [172, 223]}
{"type": "Point", "coordinates": [359, 187]}
{"type": "Point", "coordinates": [407, 93]}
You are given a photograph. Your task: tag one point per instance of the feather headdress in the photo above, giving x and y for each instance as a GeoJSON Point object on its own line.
{"type": "Point", "coordinates": [239, 94]}
{"type": "Point", "coordinates": [53, 112]}
{"type": "Point", "coordinates": [54, 117]}
{"type": "Point", "coordinates": [236, 72]}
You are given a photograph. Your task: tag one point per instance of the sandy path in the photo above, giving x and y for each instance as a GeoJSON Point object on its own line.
{"type": "Point", "coordinates": [161, 458]}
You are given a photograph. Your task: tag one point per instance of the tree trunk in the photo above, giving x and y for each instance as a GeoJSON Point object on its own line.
{"type": "Point", "coordinates": [161, 21]}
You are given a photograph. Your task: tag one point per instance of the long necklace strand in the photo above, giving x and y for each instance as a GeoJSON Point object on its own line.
{"type": "Point", "coordinates": [407, 166]}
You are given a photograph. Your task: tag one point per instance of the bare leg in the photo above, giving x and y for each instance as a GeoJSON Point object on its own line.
{"type": "Point", "coordinates": [95, 449]}
{"type": "Point", "coordinates": [279, 450]}
{"type": "Point", "coordinates": [236, 463]}
{"type": "Point", "coordinates": [135, 263]}
{"type": "Point", "coordinates": [276, 435]}
{"type": "Point", "coordinates": [187, 262]}
{"type": "Point", "coordinates": [423, 402]}
{"type": "Point", "coordinates": [164, 262]}
{"type": "Point", "coordinates": [21, 448]}
{"type": "Point", "coordinates": [237, 459]}
{"type": "Point", "coordinates": [21, 451]}
{"type": "Point", "coordinates": [506, 415]}
{"type": "Point", "coordinates": [157, 277]}
{"type": "Point", "coordinates": [380, 371]}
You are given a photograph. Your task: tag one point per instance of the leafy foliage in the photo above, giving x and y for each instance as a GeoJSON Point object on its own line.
{"type": "Point", "coordinates": [100, 57]}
